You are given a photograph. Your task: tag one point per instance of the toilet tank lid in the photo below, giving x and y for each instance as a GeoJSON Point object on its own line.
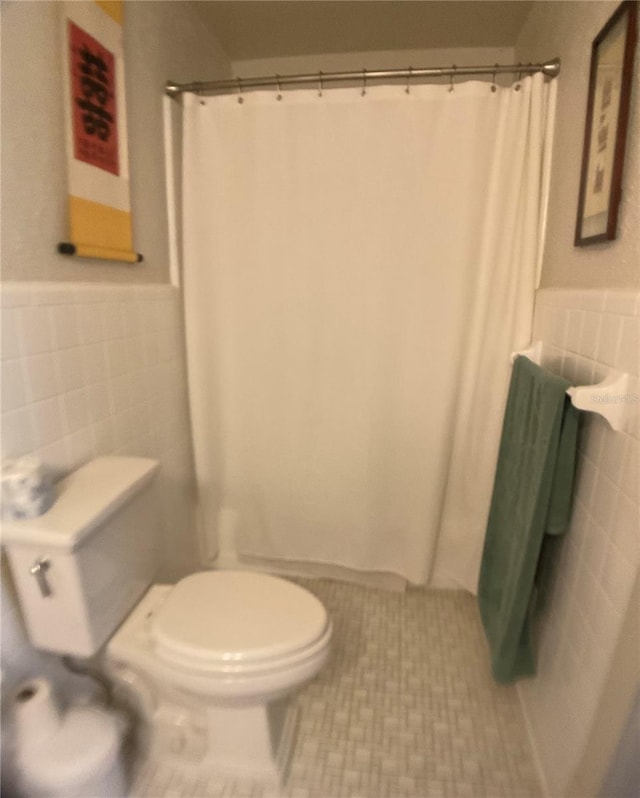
{"type": "Point", "coordinates": [83, 500]}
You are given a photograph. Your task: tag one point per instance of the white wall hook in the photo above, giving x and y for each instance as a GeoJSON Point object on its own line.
{"type": "Point", "coordinates": [610, 398]}
{"type": "Point", "coordinates": [534, 353]}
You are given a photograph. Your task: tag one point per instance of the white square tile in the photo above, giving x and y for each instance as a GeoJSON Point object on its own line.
{"type": "Point", "coordinates": [618, 574]}
{"type": "Point", "coordinates": [583, 371]}
{"type": "Point", "coordinates": [574, 330]}
{"type": "Point", "coordinates": [630, 477]}
{"type": "Point", "coordinates": [123, 433]}
{"type": "Point", "coordinates": [621, 302]}
{"type": "Point", "coordinates": [541, 322]}
{"type": "Point", "coordinates": [609, 340]}
{"type": "Point", "coordinates": [65, 326]}
{"type": "Point", "coordinates": [94, 363]}
{"type": "Point", "coordinates": [49, 294]}
{"type": "Point", "coordinates": [629, 351]}
{"type": "Point", "coordinates": [123, 392]}
{"type": "Point", "coordinates": [15, 295]}
{"type": "Point", "coordinates": [589, 568]}
{"type": "Point", "coordinates": [103, 437]}
{"type": "Point", "coordinates": [560, 323]}
{"type": "Point", "coordinates": [12, 380]}
{"type": "Point", "coordinates": [35, 330]}
{"type": "Point", "coordinates": [552, 359]}
{"type": "Point", "coordinates": [135, 348]}
{"type": "Point", "coordinates": [118, 360]}
{"type": "Point", "coordinates": [151, 348]}
{"type": "Point", "coordinates": [76, 410]}
{"type": "Point", "coordinates": [603, 502]}
{"type": "Point", "coordinates": [147, 316]}
{"type": "Point", "coordinates": [41, 377]}
{"type": "Point", "coordinates": [592, 299]}
{"type": "Point", "coordinates": [633, 420]}
{"type": "Point", "coordinates": [112, 320]}
{"type": "Point", "coordinates": [47, 421]}
{"type": "Point", "coordinates": [69, 367]}
{"type": "Point", "coordinates": [17, 433]}
{"type": "Point", "coordinates": [10, 335]}
{"type": "Point", "coordinates": [90, 323]}
{"type": "Point", "coordinates": [100, 401]}
{"type": "Point", "coordinates": [590, 334]}
{"type": "Point", "coordinates": [612, 455]}
{"type": "Point", "coordinates": [92, 293]}
{"type": "Point", "coordinates": [81, 447]}
{"type": "Point", "coordinates": [626, 529]}
{"type": "Point", "coordinates": [569, 368]}
{"type": "Point", "coordinates": [131, 319]}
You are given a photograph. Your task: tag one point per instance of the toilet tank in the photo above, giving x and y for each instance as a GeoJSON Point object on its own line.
{"type": "Point", "coordinates": [80, 567]}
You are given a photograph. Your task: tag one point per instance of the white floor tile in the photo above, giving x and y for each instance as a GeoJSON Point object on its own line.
{"type": "Point", "coordinates": [406, 707]}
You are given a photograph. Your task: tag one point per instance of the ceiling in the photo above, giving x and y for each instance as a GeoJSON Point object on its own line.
{"type": "Point", "coordinates": [251, 30]}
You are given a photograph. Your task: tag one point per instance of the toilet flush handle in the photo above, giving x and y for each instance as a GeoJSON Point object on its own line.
{"type": "Point", "coordinates": [39, 570]}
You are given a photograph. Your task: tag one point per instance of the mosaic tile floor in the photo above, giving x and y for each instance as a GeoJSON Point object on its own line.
{"type": "Point", "coordinates": [405, 708]}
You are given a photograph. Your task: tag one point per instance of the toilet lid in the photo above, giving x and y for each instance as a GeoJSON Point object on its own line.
{"type": "Point", "coordinates": [235, 617]}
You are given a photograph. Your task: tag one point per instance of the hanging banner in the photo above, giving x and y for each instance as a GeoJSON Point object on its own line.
{"type": "Point", "coordinates": [96, 132]}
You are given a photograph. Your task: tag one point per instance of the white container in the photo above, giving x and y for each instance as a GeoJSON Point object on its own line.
{"type": "Point", "coordinates": [82, 566]}
{"type": "Point", "coordinates": [75, 755]}
{"type": "Point", "coordinates": [26, 488]}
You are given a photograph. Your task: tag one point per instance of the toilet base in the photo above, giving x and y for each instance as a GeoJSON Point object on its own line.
{"type": "Point", "coordinates": [243, 729]}
{"type": "Point", "coordinates": [251, 743]}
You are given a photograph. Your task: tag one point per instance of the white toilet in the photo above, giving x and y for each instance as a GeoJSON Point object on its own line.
{"type": "Point", "coordinates": [210, 661]}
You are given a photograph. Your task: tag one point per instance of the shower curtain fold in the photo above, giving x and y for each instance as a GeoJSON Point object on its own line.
{"type": "Point", "coordinates": [335, 253]}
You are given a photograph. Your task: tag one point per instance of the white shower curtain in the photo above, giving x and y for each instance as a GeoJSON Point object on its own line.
{"type": "Point", "coordinates": [357, 270]}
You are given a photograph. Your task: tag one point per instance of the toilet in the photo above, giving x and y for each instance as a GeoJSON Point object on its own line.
{"type": "Point", "coordinates": [210, 663]}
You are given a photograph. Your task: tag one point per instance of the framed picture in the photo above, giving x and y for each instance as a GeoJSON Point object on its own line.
{"type": "Point", "coordinates": [606, 126]}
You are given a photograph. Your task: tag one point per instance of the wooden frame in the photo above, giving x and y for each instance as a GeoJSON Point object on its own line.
{"type": "Point", "coordinates": [610, 79]}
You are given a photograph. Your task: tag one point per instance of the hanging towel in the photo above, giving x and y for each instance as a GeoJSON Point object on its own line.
{"type": "Point", "coordinates": [531, 496]}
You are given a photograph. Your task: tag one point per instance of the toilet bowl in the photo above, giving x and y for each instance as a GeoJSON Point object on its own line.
{"type": "Point", "coordinates": [210, 664]}
{"type": "Point", "coordinates": [213, 661]}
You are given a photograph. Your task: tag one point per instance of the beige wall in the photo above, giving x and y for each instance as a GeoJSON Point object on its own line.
{"type": "Point", "coordinates": [163, 40]}
{"type": "Point", "coordinates": [567, 29]}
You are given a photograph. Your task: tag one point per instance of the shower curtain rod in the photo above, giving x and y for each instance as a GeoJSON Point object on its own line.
{"type": "Point", "coordinates": [549, 68]}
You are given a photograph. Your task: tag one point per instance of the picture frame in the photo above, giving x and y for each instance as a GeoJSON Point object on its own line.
{"type": "Point", "coordinates": [610, 80]}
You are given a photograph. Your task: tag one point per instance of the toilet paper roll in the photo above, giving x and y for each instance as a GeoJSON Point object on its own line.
{"type": "Point", "coordinates": [26, 488]}
{"type": "Point", "coordinates": [36, 712]}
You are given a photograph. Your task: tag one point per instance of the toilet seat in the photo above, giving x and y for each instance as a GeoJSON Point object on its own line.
{"type": "Point", "coordinates": [238, 623]}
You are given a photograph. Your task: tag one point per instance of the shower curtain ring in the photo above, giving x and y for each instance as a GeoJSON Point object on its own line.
{"type": "Point", "coordinates": [279, 94]}
{"type": "Point", "coordinates": [364, 82]}
{"type": "Point", "coordinates": [493, 84]}
{"type": "Point", "coordinates": [517, 86]}
{"type": "Point", "coordinates": [451, 78]}
{"type": "Point", "coordinates": [408, 86]}
{"type": "Point", "coordinates": [240, 97]}
{"type": "Point", "coordinates": [319, 83]}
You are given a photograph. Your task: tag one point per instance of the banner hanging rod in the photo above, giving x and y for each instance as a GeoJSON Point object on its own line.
{"type": "Point", "coordinates": [550, 68]}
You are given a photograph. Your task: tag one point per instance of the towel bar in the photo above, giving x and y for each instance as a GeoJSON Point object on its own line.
{"type": "Point", "coordinates": [610, 398]}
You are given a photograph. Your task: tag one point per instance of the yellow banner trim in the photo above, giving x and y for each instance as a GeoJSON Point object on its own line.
{"type": "Point", "coordinates": [93, 224]}
{"type": "Point", "coordinates": [111, 7]}
{"type": "Point", "coordinates": [87, 251]}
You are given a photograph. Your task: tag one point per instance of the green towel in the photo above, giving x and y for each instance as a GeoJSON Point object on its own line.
{"type": "Point", "coordinates": [532, 495]}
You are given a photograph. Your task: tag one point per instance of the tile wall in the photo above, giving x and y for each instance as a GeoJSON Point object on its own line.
{"type": "Point", "coordinates": [87, 370]}
{"type": "Point", "coordinates": [585, 334]}
{"type": "Point", "coordinates": [92, 369]}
